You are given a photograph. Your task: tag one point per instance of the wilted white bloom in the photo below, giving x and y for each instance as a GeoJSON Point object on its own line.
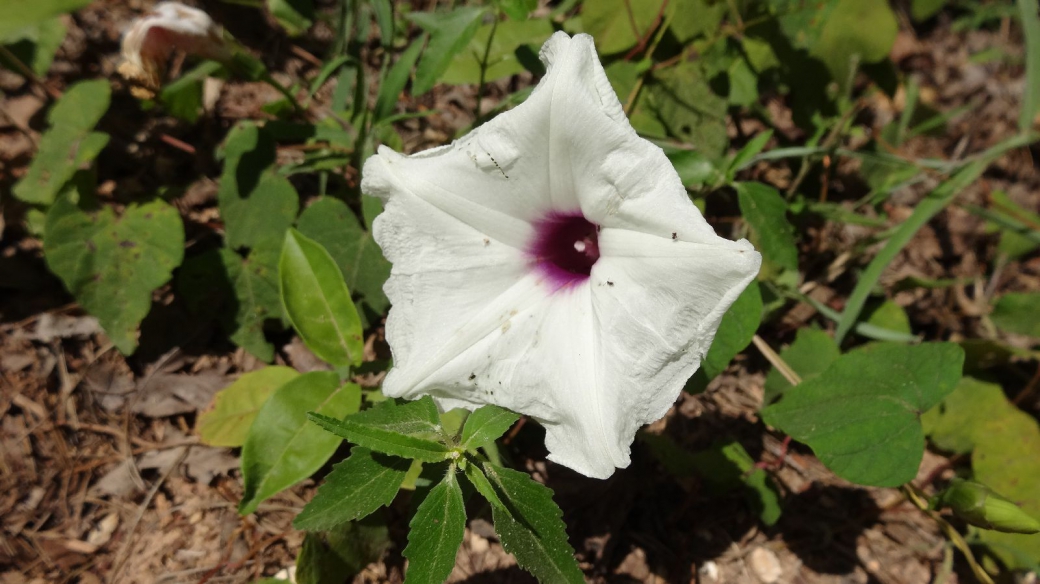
{"type": "Point", "coordinates": [551, 262]}
{"type": "Point", "coordinates": [170, 26]}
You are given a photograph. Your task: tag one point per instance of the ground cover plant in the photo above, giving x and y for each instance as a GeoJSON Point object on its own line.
{"type": "Point", "coordinates": [205, 350]}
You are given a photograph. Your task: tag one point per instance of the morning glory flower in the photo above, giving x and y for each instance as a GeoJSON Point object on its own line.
{"type": "Point", "coordinates": [550, 262]}
{"type": "Point", "coordinates": [151, 39]}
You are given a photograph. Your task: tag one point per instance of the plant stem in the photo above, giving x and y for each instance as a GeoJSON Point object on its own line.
{"type": "Point", "coordinates": [918, 498]}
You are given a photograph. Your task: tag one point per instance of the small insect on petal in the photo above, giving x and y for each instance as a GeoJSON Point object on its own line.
{"type": "Point", "coordinates": [152, 38]}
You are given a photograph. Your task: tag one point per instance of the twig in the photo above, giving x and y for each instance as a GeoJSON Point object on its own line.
{"type": "Point", "coordinates": [24, 69]}
{"type": "Point", "coordinates": [1029, 389]}
{"type": "Point", "coordinates": [121, 557]}
{"type": "Point", "coordinates": [776, 361]}
{"type": "Point", "coordinates": [644, 37]}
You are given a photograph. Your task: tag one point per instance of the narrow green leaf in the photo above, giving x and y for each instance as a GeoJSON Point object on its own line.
{"type": "Point", "coordinates": [766, 213]}
{"type": "Point", "coordinates": [69, 142]}
{"type": "Point", "coordinates": [37, 45]}
{"type": "Point", "coordinates": [183, 97]}
{"type": "Point", "coordinates": [735, 332]}
{"type": "Point", "coordinates": [318, 302]}
{"type": "Point", "coordinates": [529, 523]}
{"type": "Point", "coordinates": [486, 425]}
{"type": "Point", "coordinates": [1018, 312]}
{"type": "Point", "coordinates": [113, 264]}
{"type": "Point", "coordinates": [282, 448]}
{"type": "Point", "coordinates": [227, 421]}
{"type": "Point", "coordinates": [936, 201]}
{"type": "Point", "coordinates": [449, 33]}
{"type": "Point", "coordinates": [746, 155]}
{"type": "Point", "coordinates": [435, 533]}
{"type": "Point", "coordinates": [384, 12]}
{"type": "Point", "coordinates": [1029, 11]}
{"type": "Point", "coordinates": [396, 79]}
{"type": "Point", "coordinates": [355, 488]}
{"type": "Point", "coordinates": [296, 16]}
{"type": "Point", "coordinates": [860, 416]}
{"type": "Point", "coordinates": [411, 430]}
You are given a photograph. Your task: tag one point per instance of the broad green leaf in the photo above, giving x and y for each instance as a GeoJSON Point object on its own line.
{"type": "Point", "coordinates": [19, 14]}
{"type": "Point", "coordinates": [240, 293]}
{"type": "Point", "coordinates": [811, 353]}
{"type": "Point", "coordinates": [435, 533]}
{"type": "Point", "coordinates": [766, 213]}
{"type": "Point", "coordinates": [960, 420]}
{"type": "Point", "coordinates": [857, 31]}
{"type": "Point", "coordinates": [317, 301]}
{"type": "Point", "coordinates": [317, 564]}
{"type": "Point", "coordinates": [257, 205]}
{"type": "Point", "coordinates": [355, 488]}
{"type": "Point", "coordinates": [295, 16]}
{"type": "Point", "coordinates": [1005, 459]}
{"type": "Point", "coordinates": [528, 522]}
{"type": "Point", "coordinates": [411, 430]}
{"type": "Point", "coordinates": [396, 79]}
{"type": "Point", "coordinates": [735, 332]}
{"type": "Point", "coordinates": [113, 264]}
{"type": "Point", "coordinates": [332, 224]}
{"type": "Point", "coordinates": [518, 9]}
{"type": "Point", "coordinates": [617, 25]}
{"type": "Point", "coordinates": [227, 421]}
{"type": "Point", "coordinates": [726, 467]}
{"type": "Point", "coordinates": [860, 416]}
{"type": "Point", "coordinates": [512, 38]}
{"type": "Point", "coordinates": [1018, 312]}
{"type": "Point", "coordinates": [693, 18]}
{"type": "Point", "coordinates": [694, 168]}
{"type": "Point", "coordinates": [449, 32]}
{"type": "Point", "coordinates": [68, 144]}
{"type": "Point", "coordinates": [486, 425]}
{"type": "Point", "coordinates": [890, 316]}
{"type": "Point", "coordinates": [282, 447]}
{"type": "Point", "coordinates": [684, 102]}
{"type": "Point", "coordinates": [921, 10]}
{"type": "Point", "coordinates": [1029, 12]}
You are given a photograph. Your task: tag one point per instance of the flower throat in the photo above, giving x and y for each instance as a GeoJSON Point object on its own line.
{"type": "Point", "coordinates": [565, 248]}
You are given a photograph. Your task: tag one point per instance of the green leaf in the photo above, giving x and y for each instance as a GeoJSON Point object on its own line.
{"type": "Point", "coordinates": [282, 448]}
{"type": "Point", "coordinates": [227, 421]}
{"type": "Point", "coordinates": [113, 264]}
{"type": "Point", "coordinates": [681, 98]}
{"type": "Point", "coordinates": [332, 224]}
{"type": "Point", "coordinates": [295, 16]}
{"type": "Point", "coordinates": [435, 533]}
{"type": "Point", "coordinates": [766, 213]}
{"type": "Point", "coordinates": [183, 97]}
{"type": "Point", "coordinates": [735, 332]}
{"type": "Point", "coordinates": [925, 210]}
{"type": "Point", "coordinates": [811, 353]}
{"type": "Point", "coordinates": [317, 301]}
{"type": "Point", "coordinates": [355, 488]}
{"type": "Point", "coordinates": [407, 430]}
{"type": "Point", "coordinates": [37, 46]}
{"type": "Point", "coordinates": [240, 293]}
{"type": "Point", "coordinates": [486, 425]}
{"type": "Point", "coordinates": [518, 9]}
{"type": "Point", "coordinates": [693, 18]}
{"type": "Point", "coordinates": [19, 14]}
{"type": "Point", "coordinates": [617, 25]}
{"type": "Point", "coordinates": [890, 316]}
{"type": "Point", "coordinates": [528, 522]}
{"type": "Point", "coordinates": [256, 204]}
{"type": "Point", "coordinates": [512, 39]}
{"type": "Point", "coordinates": [958, 422]}
{"type": "Point", "coordinates": [337, 555]}
{"type": "Point", "coordinates": [727, 467]}
{"type": "Point", "coordinates": [1018, 312]}
{"type": "Point", "coordinates": [395, 81]}
{"type": "Point", "coordinates": [1029, 12]}
{"type": "Point", "coordinates": [860, 416]}
{"type": "Point", "coordinates": [68, 144]}
{"type": "Point", "coordinates": [746, 156]}
{"type": "Point", "coordinates": [449, 33]}
{"type": "Point", "coordinates": [921, 10]}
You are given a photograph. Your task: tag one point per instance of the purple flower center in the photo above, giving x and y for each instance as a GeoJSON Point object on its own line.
{"type": "Point", "coordinates": [565, 247]}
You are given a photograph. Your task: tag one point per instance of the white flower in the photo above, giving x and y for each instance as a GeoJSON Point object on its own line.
{"type": "Point", "coordinates": [151, 39]}
{"type": "Point", "coordinates": [551, 262]}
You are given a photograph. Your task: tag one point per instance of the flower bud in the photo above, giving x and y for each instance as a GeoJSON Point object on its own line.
{"type": "Point", "coordinates": [170, 26]}
{"type": "Point", "coordinates": [980, 506]}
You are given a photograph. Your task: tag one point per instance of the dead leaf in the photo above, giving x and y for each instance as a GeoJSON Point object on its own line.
{"type": "Point", "coordinates": [169, 394]}
{"type": "Point", "coordinates": [62, 326]}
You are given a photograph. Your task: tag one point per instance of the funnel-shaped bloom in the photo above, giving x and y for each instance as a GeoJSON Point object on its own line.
{"type": "Point", "coordinates": [550, 262]}
{"type": "Point", "coordinates": [170, 26]}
